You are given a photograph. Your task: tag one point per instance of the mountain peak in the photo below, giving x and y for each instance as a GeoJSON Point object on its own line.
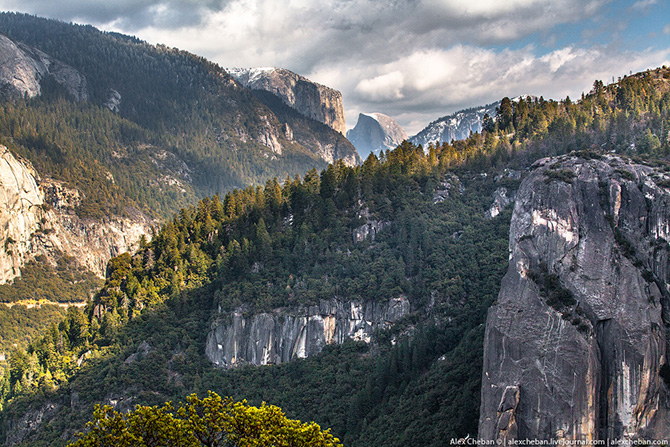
{"type": "Point", "coordinates": [375, 132]}
{"type": "Point", "coordinates": [311, 99]}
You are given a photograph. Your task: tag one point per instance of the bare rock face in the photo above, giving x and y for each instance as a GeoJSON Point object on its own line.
{"type": "Point", "coordinates": [313, 100]}
{"type": "Point", "coordinates": [37, 218]}
{"type": "Point", "coordinates": [23, 67]}
{"type": "Point", "coordinates": [31, 421]}
{"type": "Point", "coordinates": [375, 132]}
{"type": "Point", "coordinates": [502, 197]}
{"type": "Point", "coordinates": [288, 333]}
{"type": "Point", "coordinates": [576, 346]}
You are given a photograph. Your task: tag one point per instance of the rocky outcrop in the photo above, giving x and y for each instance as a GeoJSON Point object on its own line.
{"type": "Point", "coordinates": [288, 333]}
{"type": "Point", "coordinates": [22, 68]}
{"type": "Point", "coordinates": [31, 421]}
{"type": "Point", "coordinates": [113, 101]}
{"type": "Point", "coordinates": [369, 229]}
{"type": "Point", "coordinates": [576, 346]}
{"type": "Point", "coordinates": [37, 218]}
{"type": "Point", "coordinates": [502, 198]}
{"type": "Point", "coordinates": [375, 132]}
{"type": "Point", "coordinates": [313, 100]}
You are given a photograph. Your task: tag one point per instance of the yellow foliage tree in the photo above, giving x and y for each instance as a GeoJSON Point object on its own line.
{"type": "Point", "coordinates": [210, 422]}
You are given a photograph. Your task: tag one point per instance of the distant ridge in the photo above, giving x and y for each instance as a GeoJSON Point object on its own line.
{"type": "Point", "coordinates": [458, 125]}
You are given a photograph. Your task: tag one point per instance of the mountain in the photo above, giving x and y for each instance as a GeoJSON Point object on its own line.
{"type": "Point", "coordinates": [103, 137]}
{"type": "Point", "coordinates": [457, 126]}
{"type": "Point", "coordinates": [313, 100]}
{"type": "Point", "coordinates": [576, 345]}
{"type": "Point", "coordinates": [375, 132]}
{"type": "Point", "coordinates": [185, 107]}
{"type": "Point", "coordinates": [132, 132]}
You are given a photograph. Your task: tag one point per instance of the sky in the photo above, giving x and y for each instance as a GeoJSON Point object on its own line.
{"type": "Point", "coordinates": [414, 60]}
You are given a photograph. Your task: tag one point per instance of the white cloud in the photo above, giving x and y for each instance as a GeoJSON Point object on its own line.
{"type": "Point", "coordinates": [666, 29]}
{"type": "Point", "coordinates": [643, 4]}
{"type": "Point", "coordinates": [382, 88]}
{"type": "Point", "coordinates": [439, 82]}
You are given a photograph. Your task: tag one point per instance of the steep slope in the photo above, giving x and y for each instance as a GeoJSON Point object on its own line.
{"type": "Point", "coordinates": [323, 142]}
{"type": "Point", "coordinates": [129, 132]}
{"type": "Point", "coordinates": [375, 132]}
{"type": "Point", "coordinates": [576, 346]}
{"type": "Point", "coordinates": [313, 100]}
{"type": "Point", "coordinates": [355, 274]}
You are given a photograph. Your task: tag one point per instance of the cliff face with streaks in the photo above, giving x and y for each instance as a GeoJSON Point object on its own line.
{"type": "Point", "coordinates": [288, 333]}
{"type": "Point", "coordinates": [576, 346]}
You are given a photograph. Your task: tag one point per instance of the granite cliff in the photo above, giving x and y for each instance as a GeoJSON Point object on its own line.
{"type": "Point", "coordinates": [22, 68]}
{"type": "Point", "coordinates": [576, 346]}
{"type": "Point", "coordinates": [37, 218]}
{"type": "Point", "coordinates": [313, 100]}
{"type": "Point", "coordinates": [375, 132]}
{"type": "Point", "coordinates": [284, 334]}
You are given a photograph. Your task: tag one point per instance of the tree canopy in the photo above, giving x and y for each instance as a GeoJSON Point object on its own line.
{"type": "Point", "coordinates": [211, 422]}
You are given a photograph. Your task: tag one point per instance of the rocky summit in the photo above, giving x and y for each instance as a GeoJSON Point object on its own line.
{"type": "Point", "coordinates": [375, 132]}
{"type": "Point", "coordinates": [313, 100]}
{"type": "Point", "coordinates": [576, 346]}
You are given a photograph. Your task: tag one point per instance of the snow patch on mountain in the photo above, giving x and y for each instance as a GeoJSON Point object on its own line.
{"type": "Point", "coordinates": [459, 125]}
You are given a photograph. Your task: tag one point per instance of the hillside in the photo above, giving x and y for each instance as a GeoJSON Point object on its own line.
{"type": "Point", "coordinates": [166, 124]}
{"type": "Point", "coordinates": [414, 226]}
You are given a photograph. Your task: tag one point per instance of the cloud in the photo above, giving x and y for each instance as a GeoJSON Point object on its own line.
{"type": "Point", "coordinates": [130, 15]}
{"type": "Point", "coordinates": [643, 4]}
{"type": "Point", "coordinates": [666, 29]}
{"type": "Point", "coordinates": [384, 87]}
{"type": "Point", "coordinates": [439, 82]}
